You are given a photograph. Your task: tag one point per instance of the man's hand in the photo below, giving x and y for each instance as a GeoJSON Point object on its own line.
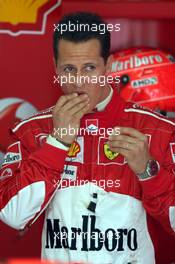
{"type": "Point", "coordinates": [133, 145]}
{"type": "Point", "coordinates": [67, 113]}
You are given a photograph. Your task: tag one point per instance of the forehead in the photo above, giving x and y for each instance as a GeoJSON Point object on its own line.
{"type": "Point", "coordinates": [70, 51]}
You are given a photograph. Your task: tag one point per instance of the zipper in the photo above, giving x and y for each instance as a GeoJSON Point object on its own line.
{"type": "Point", "coordinates": [90, 191]}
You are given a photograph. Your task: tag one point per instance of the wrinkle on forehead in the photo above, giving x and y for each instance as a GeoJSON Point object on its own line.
{"type": "Point", "coordinates": [86, 52]}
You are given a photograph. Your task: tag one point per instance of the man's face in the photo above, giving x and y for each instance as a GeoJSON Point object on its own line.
{"type": "Point", "coordinates": [77, 61]}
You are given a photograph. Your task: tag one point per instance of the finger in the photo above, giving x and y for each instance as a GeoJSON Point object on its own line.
{"type": "Point", "coordinates": [126, 153]}
{"type": "Point", "coordinates": [121, 144]}
{"type": "Point", "coordinates": [71, 104]}
{"type": "Point", "coordinates": [133, 133]}
{"type": "Point", "coordinates": [64, 98]}
{"type": "Point", "coordinates": [81, 112]}
{"type": "Point", "coordinates": [124, 138]}
{"type": "Point", "coordinates": [78, 107]}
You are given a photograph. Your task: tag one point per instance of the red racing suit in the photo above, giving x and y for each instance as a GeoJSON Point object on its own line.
{"type": "Point", "coordinates": [95, 206]}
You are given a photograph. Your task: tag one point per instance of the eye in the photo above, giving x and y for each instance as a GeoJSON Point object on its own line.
{"type": "Point", "coordinates": [90, 67]}
{"type": "Point", "coordinates": [69, 69]}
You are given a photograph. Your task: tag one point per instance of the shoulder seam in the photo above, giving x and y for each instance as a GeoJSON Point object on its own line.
{"type": "Point", "coordinates": [30, 119]}
{"type": "Point", "coordinates": [149, 113]}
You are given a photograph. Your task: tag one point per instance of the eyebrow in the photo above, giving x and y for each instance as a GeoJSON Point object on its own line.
{"type": "Point", "coordinates": [67, 65]}
{"type": "Point", "coordinates": [73, 66]}
{"type": "Point", "coordinates": [90, 63]}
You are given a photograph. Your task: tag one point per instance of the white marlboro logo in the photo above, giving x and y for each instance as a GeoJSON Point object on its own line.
{"type": "Point", "coordinates": [92, 125]}
{"type": "Point", "coordinates": [131, 62]}
{"type": "Point", "coordinates": [172, 147]}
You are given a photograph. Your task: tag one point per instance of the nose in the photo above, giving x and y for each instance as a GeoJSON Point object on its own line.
{"type": "Point", "coordinates": [78, 79]}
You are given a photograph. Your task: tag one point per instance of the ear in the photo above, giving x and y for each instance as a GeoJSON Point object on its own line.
{"type": "Point", "coordinates": [55, 65]}
{"type": "Point", "coordinates": [109, 64]}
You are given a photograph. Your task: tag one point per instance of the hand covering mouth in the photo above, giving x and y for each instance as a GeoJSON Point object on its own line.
{"type": "Point", "coordinates": [81, 92]}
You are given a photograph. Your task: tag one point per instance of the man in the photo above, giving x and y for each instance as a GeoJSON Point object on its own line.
{"type": "Point", "coordinates": [94, 187]}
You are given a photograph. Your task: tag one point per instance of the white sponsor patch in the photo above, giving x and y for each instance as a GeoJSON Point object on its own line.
{"type": "Point", "coordinates": [70, 172]}
{"type": "Point", "coordinates": [78, 156]}
{"type": "Point", "coordinates": [172, 216]}
{"type": "Point", "coordinates": [172, 147]}
{"type": "Point", "coordinates": [144, 82]}
{"type": "Point", "coordinates": [92, 125]}
{"type": "Point", "coordinates": [13, 155]}
{"type": "Point", "coordinates": [92, 128]}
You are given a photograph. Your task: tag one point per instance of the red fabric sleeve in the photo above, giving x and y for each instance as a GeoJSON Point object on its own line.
{"type": "Point", "coordinates": [28, 181]}
{"type": "Point", "coordinates": [159, 192]}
